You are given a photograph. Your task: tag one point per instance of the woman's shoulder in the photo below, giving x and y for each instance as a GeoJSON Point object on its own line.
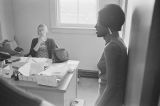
{"type": "Point", "coordinates": [115, 47]}
{"type": "Point", "coordinates": [34, 40]}
{"type": "Point", "coordinates": [112, 46]}
{"type": "Point", "coordinates": [117, 43]}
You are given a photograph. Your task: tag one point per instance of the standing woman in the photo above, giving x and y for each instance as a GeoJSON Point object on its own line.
{"type": "Point", "coordinates": [113, 63]}
{"type": "Point", "coordinates": [42, 46]}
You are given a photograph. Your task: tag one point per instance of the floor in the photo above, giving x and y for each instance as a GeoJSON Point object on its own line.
{"type": "Point", "coordinates": [87, 90]}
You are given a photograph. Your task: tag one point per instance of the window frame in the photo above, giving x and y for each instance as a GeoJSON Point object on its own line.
{"type": "Point", "coordinates": [74, 25]}
{"type": "Point", "coordinates": [57, 27]}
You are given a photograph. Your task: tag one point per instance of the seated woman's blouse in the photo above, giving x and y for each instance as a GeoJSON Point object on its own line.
{"type": "Point", "coordinates": [42, 51]}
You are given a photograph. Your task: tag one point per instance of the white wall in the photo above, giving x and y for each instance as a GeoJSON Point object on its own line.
{"type": "Point", "coordinates": [138, 25]}
{"type": "Point", "coordinates": [29, 13]}
{"type": "Point", "coordinates": [6, 20]}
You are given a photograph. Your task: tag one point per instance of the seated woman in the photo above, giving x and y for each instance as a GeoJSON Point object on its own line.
{"type": "Point", "coordinates": [42, 46]}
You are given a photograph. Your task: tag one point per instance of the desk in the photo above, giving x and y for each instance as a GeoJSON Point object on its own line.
{"type": "Point", "coordinates": [60, 96]}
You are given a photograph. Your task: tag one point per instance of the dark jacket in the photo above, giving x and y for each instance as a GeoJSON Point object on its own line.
{"type": "Point", "coordinates": [10, 95]}
{"type": "Point", "coordinates": [51, 45]}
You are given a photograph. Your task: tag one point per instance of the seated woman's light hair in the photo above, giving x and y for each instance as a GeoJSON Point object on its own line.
{"type": "Point", "coordinates": [42, 25]}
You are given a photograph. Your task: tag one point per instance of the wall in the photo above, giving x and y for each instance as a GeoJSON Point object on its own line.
{"type": "Point", "coordinates": [139, 15]}
{"type": "Point", "coordinates": [104, 2]}
{"type": "Point", "coordinates": [29, 13]}
{"type": "Point", "coordinates": [6, 20]}
{"type": "Point", "coordinates": [151, 86]}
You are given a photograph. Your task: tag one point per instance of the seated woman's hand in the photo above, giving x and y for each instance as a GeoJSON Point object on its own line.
{"type": "Point", "coordinates": [41, 39]}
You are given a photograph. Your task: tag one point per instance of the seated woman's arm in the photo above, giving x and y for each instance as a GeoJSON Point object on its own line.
{"type": "Point", "coordinates": [39, 41]}
{"type": "Point", "coordinates": [32, 50]}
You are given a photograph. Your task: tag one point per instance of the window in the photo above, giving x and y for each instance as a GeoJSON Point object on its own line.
{"type": "Point", "coordinates": [77, 13]}
{"type": "Point", "coordinates": [76, 16]}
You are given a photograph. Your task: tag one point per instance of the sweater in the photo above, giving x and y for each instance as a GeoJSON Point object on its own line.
{"type": "Point", "coordinates": [113, 73]}
{"type": "Point", "coordinates": [50, 43]}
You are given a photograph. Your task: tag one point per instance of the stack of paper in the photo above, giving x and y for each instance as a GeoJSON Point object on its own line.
{"type": "Point", "coordinates": [29, 70]}
{"type": "Point", "coordinates": [59, 70]}
{"type": "Point", "coordinates": [7, 72]}
{"type": "Point", "coordinates": [72, 65]}
{"type": "Point", "coordinates": [47, 80]}
{"type": "Point", "coordinates": [42, 71]}
{"type": "Point", "coordinates": [33, 66]}
{"type": "Point", "coordinates": [54, 74]}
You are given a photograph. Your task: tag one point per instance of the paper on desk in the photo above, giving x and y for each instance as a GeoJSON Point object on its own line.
{"type": "Point", "coordinates": [47, 80]}
{"type": "Point", "coordinates": [7, 68]}
{"type": "Point", "coordinates": [72, 65]}
{"type": "Point", "coordinates": [13, 59]}
{"type": "Point", "coordinates": [25, 69]}
{"type": "Point", "coordinates": [33, 60]}
{"type": "Point", "coordinates": [32, 65]}
{"type": "Point", "coordinates": [39, 60]}
{"type": "Point", "coordinates": [36, 68]}
{"type": "Point", "coordinates": [31, 68]}
{"type": "Point", "coordinates": [6, 72]}
{"type": "Point", "coordinates": [59, 70]}
{"type": "Point", "coordinates": [18, 64]}
{"type": "Point", "coordinates": [24, 59]}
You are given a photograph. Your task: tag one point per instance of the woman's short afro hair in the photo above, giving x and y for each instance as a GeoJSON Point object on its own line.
{"type": "Point", "coordinates": [112, 16]}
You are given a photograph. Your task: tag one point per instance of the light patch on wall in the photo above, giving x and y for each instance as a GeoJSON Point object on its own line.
{"type": "Point", "coordinates": [102, 3]}
{"type": "Point", "coordinates": [0, 33]}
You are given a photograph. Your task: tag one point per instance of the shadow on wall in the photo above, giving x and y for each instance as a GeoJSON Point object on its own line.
{"type": "Point", "coordinates": [135, 66]}
{"type": "Point", "coordinates": [135, 28]}
{"type": "Point", "coordinates": [139, 34]}
{"type": "Point", "coordinates": [0, 33]}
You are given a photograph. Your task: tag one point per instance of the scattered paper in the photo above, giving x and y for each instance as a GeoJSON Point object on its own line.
{"type": "Point", "coordinates": [7, 72]}
{"type": "Point", "coordinates": [72, 65]}
{"type": "Point", "coordinates": [59, 70]}
{"type": "Point", "coordinates": [24, 59]}
{"type": "Point", "coordinates": [7, 68]}
{"type": "Point", "coordinates": [46, 80]}
{"type": "Point", "coordinates": [36, 68]}
{"type": "Point", "coordinates": [39, 60]}
{"type": "Point", "coordinates": [42, 70]}
{"type": "Point", "coordinates": [25, 69]}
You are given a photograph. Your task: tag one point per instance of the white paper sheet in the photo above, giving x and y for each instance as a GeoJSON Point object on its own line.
{"type": "Point", "coordinates": [59, 70]}
{"type": "Point", "coordinates": [25, 69]}
{"type": "Point", "coordinates": [7, 68]}
{"type": "Point", "coordinates": [36, 68]}
{"type": "Point", "coordinates": [24, 59]}
{"type": "Point", "coordinates": [39, 60]}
